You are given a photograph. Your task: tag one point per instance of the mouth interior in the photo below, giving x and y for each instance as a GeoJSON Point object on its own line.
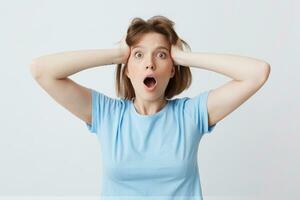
{"type": "Point", "coordinates": [149, 82]}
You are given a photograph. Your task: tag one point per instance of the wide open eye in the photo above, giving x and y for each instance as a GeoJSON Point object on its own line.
{"type": "Point", "coordinates": [138, 53]}
{"type": "Point", "coordinates": [162, 55]}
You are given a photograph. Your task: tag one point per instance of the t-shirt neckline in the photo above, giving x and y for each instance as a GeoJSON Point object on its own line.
{"type": "Point", "coordinates": [160, 112]}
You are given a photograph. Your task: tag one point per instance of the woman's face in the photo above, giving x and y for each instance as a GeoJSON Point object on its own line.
{"type": "Point", "coordinates": [150, 56]}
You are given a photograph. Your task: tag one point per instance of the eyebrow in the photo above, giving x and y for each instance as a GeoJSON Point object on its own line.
{"type": "Point", "coordinates": [159, 47]}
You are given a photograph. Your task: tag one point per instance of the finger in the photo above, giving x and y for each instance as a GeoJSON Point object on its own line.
{"type": "Point", "coordinates": [179, 44]}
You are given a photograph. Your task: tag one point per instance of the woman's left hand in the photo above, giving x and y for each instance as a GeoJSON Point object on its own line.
{"type": "Point", "coordinates": [176, 51]}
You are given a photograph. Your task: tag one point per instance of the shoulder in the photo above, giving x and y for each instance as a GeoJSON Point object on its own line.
{"type": "Point", "coordinates": [195, 106]}
{"type": "Point", "coordinates": [107, 102]}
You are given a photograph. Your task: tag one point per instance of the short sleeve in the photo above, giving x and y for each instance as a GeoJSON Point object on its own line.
{"type": "Point", "coordinates": [100, 110]}
{"type": "Point", "coordinates": [197, 109]}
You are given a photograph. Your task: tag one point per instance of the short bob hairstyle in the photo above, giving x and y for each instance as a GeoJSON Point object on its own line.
{"type": "Point", "coordinates": [159, 24]}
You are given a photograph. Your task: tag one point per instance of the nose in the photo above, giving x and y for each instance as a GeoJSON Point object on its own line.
{"type": "Point", "coordinates": [150, 64]}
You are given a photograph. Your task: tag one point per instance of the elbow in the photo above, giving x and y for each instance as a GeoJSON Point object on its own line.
{"type": "Point", "coordinates": [34, 69]}
{"type": "Point", "coordinates": [264, 72]}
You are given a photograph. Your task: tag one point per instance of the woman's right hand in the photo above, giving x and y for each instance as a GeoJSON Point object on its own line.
{"type": "Point", "coordinates": [124, 49]}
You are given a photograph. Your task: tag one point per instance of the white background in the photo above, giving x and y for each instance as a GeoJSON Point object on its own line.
{"type": "Point", "coordinates": [252, 153]}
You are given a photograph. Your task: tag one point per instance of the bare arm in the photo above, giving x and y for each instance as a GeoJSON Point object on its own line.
{"type": "Point", "coordinates": [234, 66]}
{"type": "Point", "coordinates": [64, 64]}
{"type": "Point", "coordinates": [248, 74]}
{"type": "Point", "coordinates": [51, 73]}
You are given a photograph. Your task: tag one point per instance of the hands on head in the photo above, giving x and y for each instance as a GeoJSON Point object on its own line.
{"type": "Point", "coordinates": [176, 50]}
{"type": "Point", "coordinates": [124, 49]}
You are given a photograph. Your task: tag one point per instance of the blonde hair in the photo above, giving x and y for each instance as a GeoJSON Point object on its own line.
{"type": "Point", "coordinates": [158, 24]}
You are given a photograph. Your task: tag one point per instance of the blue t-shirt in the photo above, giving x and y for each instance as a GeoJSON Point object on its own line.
{"type": "Point", "coordinates": [150, 156]}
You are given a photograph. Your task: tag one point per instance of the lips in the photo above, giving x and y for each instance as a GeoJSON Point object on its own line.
{"type": "Point", "coordinates": [150, 81]}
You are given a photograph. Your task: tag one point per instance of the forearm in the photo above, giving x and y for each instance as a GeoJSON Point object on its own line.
{"type": "Point", "coordinates": [64, 64]}
{"type": "Point", "coordinates": [233, 66]}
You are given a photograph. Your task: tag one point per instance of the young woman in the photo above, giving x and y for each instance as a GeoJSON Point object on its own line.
{"type": "Point", "coordinates": [149, 141]}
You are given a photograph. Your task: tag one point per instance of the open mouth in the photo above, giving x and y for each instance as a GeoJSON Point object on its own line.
{"type": "Point", "coordinates": [150, 82]}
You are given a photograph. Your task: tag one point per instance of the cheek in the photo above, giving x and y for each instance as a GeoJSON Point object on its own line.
{"type": "Point", "coordinates": [134, 74]}
{"type": "Point", "coordinates": [168, 63]}
{"type": "Point", "coordinates": [168, 68]}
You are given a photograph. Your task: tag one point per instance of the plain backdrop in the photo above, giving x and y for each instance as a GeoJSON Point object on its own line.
{"type": "Point", "coordinates": [47, 151]}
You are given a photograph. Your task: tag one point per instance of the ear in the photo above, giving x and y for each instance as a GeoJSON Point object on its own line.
{"type": "Point", "coordinates": [173, 71]}
{"type": "Point", "coordinates": [126, 72]}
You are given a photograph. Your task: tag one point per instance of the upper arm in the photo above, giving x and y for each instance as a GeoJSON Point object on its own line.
{"type": "Point", "coordinates": [74, 97]}
{"type": "Point", "coordinates": [226, 98]}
